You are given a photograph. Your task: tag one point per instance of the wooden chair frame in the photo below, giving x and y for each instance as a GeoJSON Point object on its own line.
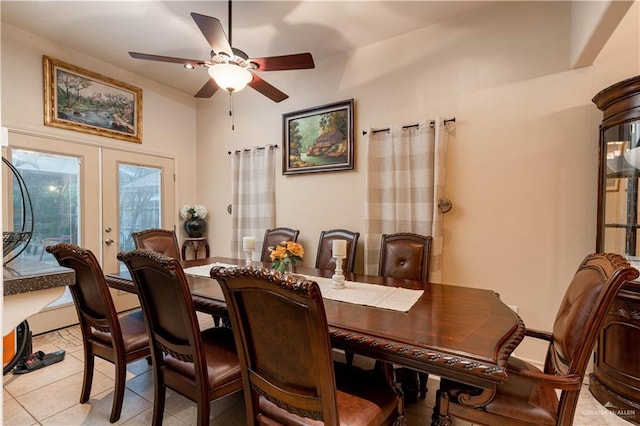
{"type": "Point", "coordinates": [179, 351]}
{"type": "Point", "coordinates": [102, 331]}
{"type": "Point", "coordinates": [162, 241]}
{"type": "Point", "coordinates": [324, 258]}
{"type": "Point", "coordinates": [584, 307]}
{"type": "Point", "coordinates": [275, 236]}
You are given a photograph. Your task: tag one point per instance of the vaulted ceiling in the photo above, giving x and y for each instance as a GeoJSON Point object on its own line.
{"type": "Point", "coordinates": [108, 30]}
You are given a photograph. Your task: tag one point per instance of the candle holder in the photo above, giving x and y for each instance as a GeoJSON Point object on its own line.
{"type": "Point", "coordinates": [337, 280]}
{"type": "Point", "coordinates": [248, 257]}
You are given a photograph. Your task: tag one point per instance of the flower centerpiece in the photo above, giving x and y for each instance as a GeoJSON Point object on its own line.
{"type": "Point", "coordinates": [194, 216]}
{"type": "Point", "coordinates": [285, 255]}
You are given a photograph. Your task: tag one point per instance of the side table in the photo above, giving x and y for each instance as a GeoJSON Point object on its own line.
{"type": "Point", "coordinates": [195, 244]}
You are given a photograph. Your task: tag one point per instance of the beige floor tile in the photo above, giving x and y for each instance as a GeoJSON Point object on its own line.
{"type": "Point", "coordinates": [142, 385]}
{"type": "Point", "coordinates": [20, 384]}
{"type": "Point", "coordinates": [591, 412]}
{"type": "Point", "coordinates": [6, 396]}
{"type": "Point", "coordinates": [186, 410]}
{"type": "Point", "coordinates": [68, 339]}
{"type": "Point", "coordinates": [13, 414]}
{"type": "Point", "coordinates": [58, 396]}
{"type": "Point", "coordinates": [98, 409]}
{"type": "Point", "coordinates": [109, 369]}
{"type": "Point", "coordinates": [144, 419]}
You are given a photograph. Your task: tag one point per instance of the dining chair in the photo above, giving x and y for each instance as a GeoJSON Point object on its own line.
{"type": "Point", "coordinates": [324, 257]}
{"type": "Point", "coordinates": [202, 366]}
{"type": "Point", "coordinates": [406, 255]}
{"type": "Point", "coordinates": [287, 368]}
{"type": "Point", "coordinates": [531, 396]}
{"type": "Point", "coordinates": [275, 236]}
{"type": "Point", "coordinates": [162, 241]}
{"type": "Point", "coordinates": [117, 339]}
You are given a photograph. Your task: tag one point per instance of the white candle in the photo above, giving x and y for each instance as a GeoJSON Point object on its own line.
{"type": "Point", "coordinates": [339, 248]}
{"type": "Point", "coordinates": [248, 243]}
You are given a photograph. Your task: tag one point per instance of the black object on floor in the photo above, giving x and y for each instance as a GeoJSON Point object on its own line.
{"type": "Point", "coordinates": [37, 360]}
{"type": "Point", "coordinates": [23, 346]}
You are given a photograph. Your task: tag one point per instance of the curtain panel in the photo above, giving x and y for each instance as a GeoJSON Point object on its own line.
{"type": "Point", "coordinates": [253, 195]}
{"type": "Point", "coordinates": [405, 181]}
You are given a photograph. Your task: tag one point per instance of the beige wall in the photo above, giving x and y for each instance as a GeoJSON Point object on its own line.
{"type": "Point", "coordinates": [522, 159]}
{"type": "Point", "coordinates": [168, 117]}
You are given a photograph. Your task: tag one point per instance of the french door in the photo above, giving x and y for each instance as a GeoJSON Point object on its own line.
{"type": "Point", "coordinates": [140, 195]}
{"type": "Point", "coordinates": [93, 197]}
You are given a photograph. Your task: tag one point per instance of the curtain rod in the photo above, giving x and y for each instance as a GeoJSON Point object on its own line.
{"type": "Point", "coordinates": [238, 151]}
{"type": "Point", "coordinates": [410, 126]}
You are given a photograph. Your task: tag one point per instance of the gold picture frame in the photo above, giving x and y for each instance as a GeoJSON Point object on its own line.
{"type": "Point", "coordinates": [85, 101]}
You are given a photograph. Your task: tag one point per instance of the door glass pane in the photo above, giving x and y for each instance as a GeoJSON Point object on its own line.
{"type": "Point", "coordinates": [140, 200]}
{"type": "Point", "coordinates": [53, 182]}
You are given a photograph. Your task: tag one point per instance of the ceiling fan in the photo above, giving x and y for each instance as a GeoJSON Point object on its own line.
{"type": "Point", "coordinates": [231, 68]}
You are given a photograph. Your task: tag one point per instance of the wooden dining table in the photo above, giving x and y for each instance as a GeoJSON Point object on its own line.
{"type": "Point", "coordinates": [461, 333]}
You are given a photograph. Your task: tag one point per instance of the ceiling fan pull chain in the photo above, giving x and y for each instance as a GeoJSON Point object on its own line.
{"type": "Point", "coordinates": [231, 111]}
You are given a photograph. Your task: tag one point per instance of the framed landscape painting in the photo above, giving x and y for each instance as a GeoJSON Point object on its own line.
{"type": "Point", "coordinates": [85, 101]}
{"type": "Point", "coordinates": [319, 139]}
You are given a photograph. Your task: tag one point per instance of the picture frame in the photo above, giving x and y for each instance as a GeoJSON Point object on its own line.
{"type": "Point", "coordinates": [319, 139]}
{"type": "Point", "coordinates": [613, 184]}
{"type": "Point", "coordinates": [85, 101]}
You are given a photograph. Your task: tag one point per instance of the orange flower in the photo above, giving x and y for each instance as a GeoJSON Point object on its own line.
{"type": "Point", "coordinates": [295, 249]}
{"type": "Point", "coordinates": [285, 253]}
{"type": "Point", "coordinates": [278, 252]}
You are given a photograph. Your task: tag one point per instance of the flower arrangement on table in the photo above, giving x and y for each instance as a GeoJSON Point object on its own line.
{"type": "Point", "coordinates": [194, 216]}
{"type": "Point", "coordinates": [285, 254]}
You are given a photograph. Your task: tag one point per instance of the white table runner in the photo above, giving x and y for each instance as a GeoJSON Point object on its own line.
{"type": "Point", "coordinates": [378, 296]}
{"type": "Point", "coordinates": [203, 271]}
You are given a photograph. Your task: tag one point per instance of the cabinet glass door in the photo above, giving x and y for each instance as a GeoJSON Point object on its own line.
{"type": "Point", "coordinates": [620, 209]}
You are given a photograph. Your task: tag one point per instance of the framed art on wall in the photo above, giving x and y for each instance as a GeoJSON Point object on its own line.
{"type": "Point", "coordinates": [318, 139]}
{"type": "Point", "coordinates": [88, 102]}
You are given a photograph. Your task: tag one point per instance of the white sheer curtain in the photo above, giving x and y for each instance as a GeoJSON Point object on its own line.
{"type": "Point", "coordinates": [254, 196]}
{"type": "Point", "coordinates": [405, 181]}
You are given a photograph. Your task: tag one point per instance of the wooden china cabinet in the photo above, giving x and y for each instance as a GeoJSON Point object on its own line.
{"type": "Point", "coordinates": [615, 381]}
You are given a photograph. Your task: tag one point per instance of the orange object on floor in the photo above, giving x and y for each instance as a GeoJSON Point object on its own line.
{"type": "Point", "coordinates": [8, 347]}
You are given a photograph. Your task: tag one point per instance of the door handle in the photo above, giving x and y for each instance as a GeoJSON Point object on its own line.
{"type": "Point", "coordinates": [108, 241]}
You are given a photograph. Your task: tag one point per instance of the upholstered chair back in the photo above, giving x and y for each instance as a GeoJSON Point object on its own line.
{"type": "Point", "coordinates": [324, 257]}
{"type": "Point", "coordinates": [274, 236]}
{"type": "Point", "coordinates": [161, 241]}
{"type": "Point", "coordinates": [405, 255]}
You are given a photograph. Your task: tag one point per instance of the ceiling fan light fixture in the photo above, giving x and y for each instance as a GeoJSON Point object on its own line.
{"type": "Point", "coordinates": [189, 66]}
{"type": "Point", "coordinates": [232, 78]}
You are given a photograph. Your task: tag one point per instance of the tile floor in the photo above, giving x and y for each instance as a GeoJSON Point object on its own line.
{"type": "Point", "coordinates": [50, 396]}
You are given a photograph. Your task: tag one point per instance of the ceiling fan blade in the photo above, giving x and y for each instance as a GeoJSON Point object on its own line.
{"type": "Point", "coordinates": [212, 30]}
{"type": "Point", "coordinates": [298, 61]}
{"type": "Point", "coordinates": [193, 62]}
{"type": "Point", "coordinates": [209, 88]}
{"type": "Point", "coordinates": [267, 89]}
